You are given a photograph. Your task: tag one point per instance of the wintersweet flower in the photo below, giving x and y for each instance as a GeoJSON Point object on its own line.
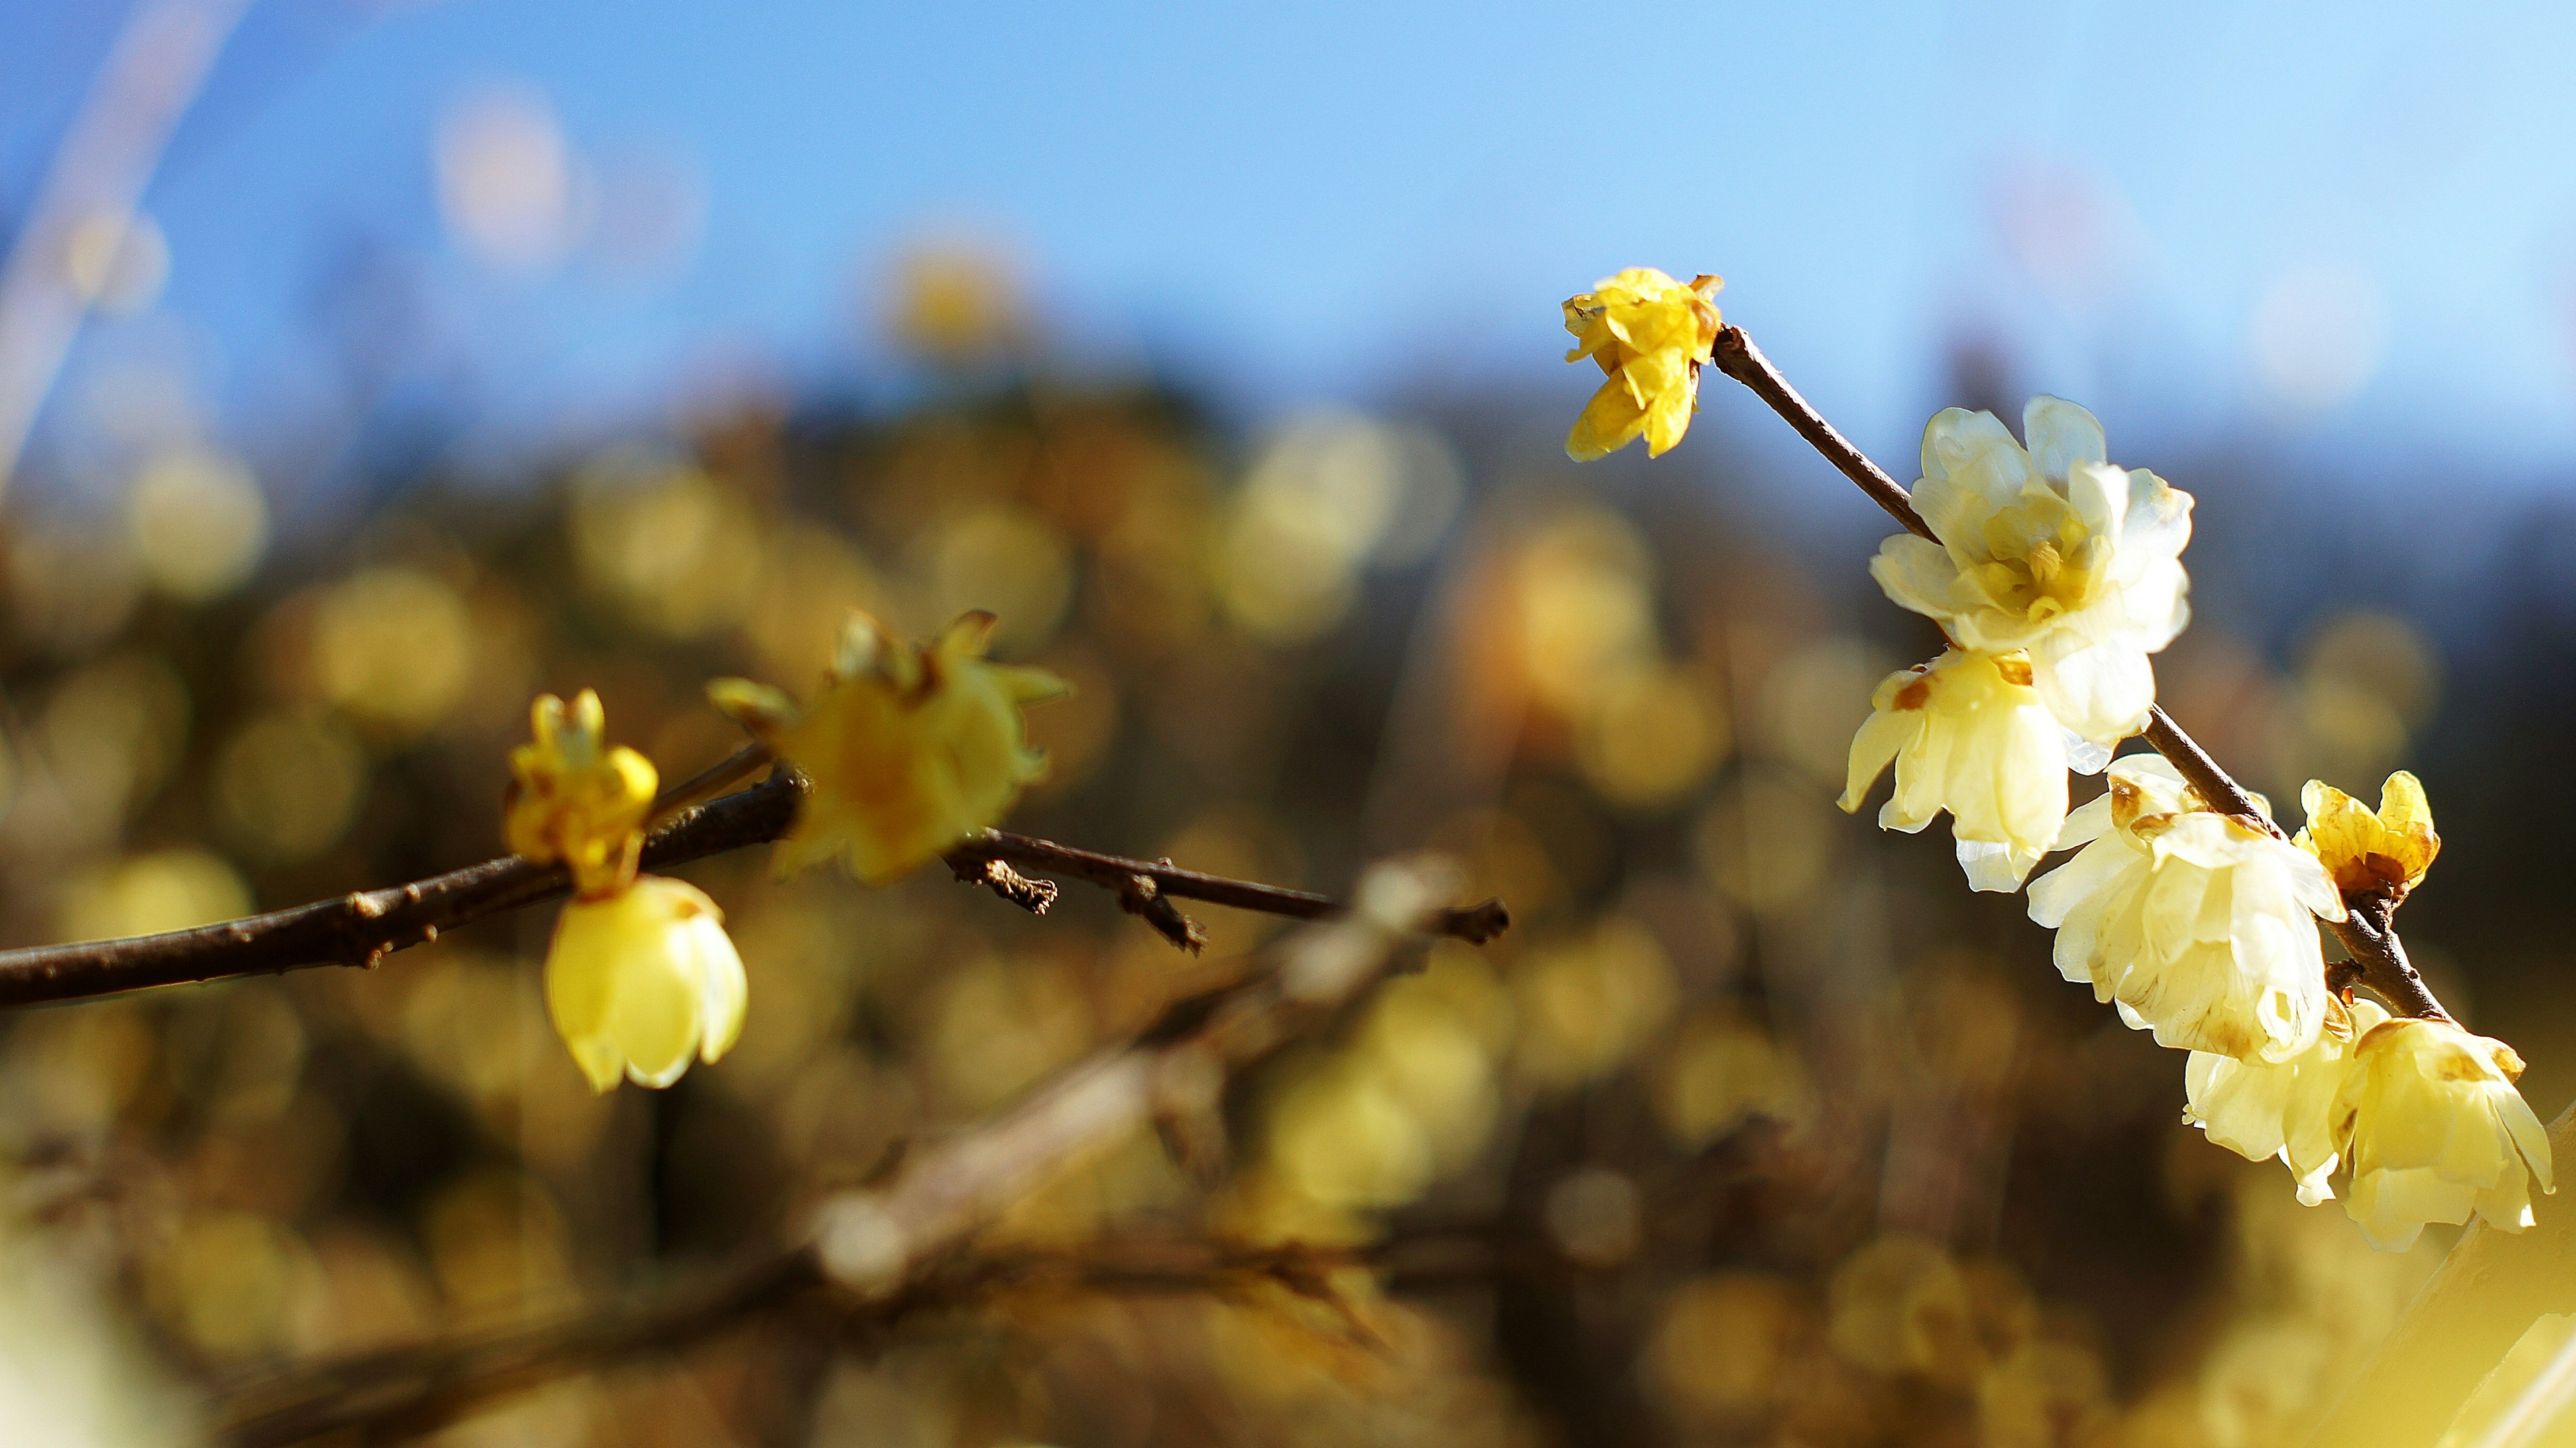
{"type": "Point", "coordinates": [2049, 549]}
{"type": "Point", "coordinates": [576, 800]}
{"type": "Point", "coordinates": [909, 749]}
{"type": "Point", "coordinates": [2286, 1109]}
{"type": "Point", "coordinates": [2371, 852]}
{"type": "Point", "coordinates": [2198, 925]}
{"type": "Point", "coordinates": [1967, 734]}
{"type": "Point", "coordinates": [643, 980]}
{"type": "Point", "coordinates": [2438, 1131]}
{"type": "Point", "coordinates": [1651, 335]}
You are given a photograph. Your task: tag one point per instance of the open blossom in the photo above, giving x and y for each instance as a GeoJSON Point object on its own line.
{"type": "Point", "coordinates": [2371, 852]}
{"type": "Point", "coordinates": [909, 749]}
{"type": "Point", "coordinates": [640, 982]}
{"type": "Point", "coordinates": [575, 799]}
{"type": "Point", "coordinates": [1650, 334]}
{"type": "Point", "coordinates": [2198, 925]}
{"type": "Point", "coordinates": [2285, 1109]}
{"type": "Point", "coordinates": [640, 976]}
{"type": "Point", "coordinates": [1968, 734]}
{"type": "Point", "coordinates": [2437, 1131]}
{"type": "Point", "coordinates": [2050, 549]}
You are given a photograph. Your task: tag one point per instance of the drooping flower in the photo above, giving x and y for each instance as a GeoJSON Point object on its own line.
{"type": "Point", "coordinates": [1651, 335]}
{"type": "Point", "coordinates": [909, 749]}
{"type": "Point", "coordinates": [2437, 1131]}
{"type": "Point", "coordinates": [2371, 852]}
{"type": "Point", "coordinates": [2050, 549]}
{"type": "Point", "coordinates": [2196, 924]}
{"type": "Point", "coordinates": [575, 799]}
{"type": "Point", "coordinates": [641, 981]}
{"type": "Point", "coordinates": [2285, 1109]}
{"type": "Point", "coordinates": [1968, 734]}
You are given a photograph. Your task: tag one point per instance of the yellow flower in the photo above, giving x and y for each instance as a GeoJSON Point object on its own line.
{"type": "Point", "coordinates": [2051, 549]}
{"type": "Point", "coordinates": [2197, 925]}
{"type": "Point", "coordinates": [1650, 334]}
{"type": "Point", "coordinates": [2438, 1131]}
{"type": "Point", "coordinates": [909, 750]}
{"type": "Point", "coordinates": [2285, 1109]}
{"type": "Point", "coordinates": [576, 800]}
{"type": "Point", "coordinates": [2371, 852]}
{"type": "Point", "coordinates": [642, 980]}
{"type": "Point", "coordinates": [1968, 734]}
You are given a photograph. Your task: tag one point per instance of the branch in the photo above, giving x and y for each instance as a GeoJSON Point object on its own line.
{"type": "Point", "coordinates": [362, 928]}
{"type": "Point", "coordinates": [2367, 934]}
{"type": "Point", "coordinates": [879, 1255]}
{"type": "Point", "coordinates": [416, 1388]}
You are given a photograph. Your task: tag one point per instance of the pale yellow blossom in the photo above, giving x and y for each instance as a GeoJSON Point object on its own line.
{"type": "Point", "coordinates": [2285, 1109]}
{"type": "Point", "coordinates": [1650, 334]}
{"type": "Point", "coordinates": [643, 980]}
{"type": "Point", "coordinates": [2196, 924]}
{"type": "Point", "coordinates": [2047, 548]}
{"type": "Point", "coordinates": [575, 799]}
{"type": "Point", "coordinates": [2371, 852]}
{"type": "Point", "coordinates": [909, 749]}
{"type": "Point", "coordinates": [2437, 1131]}
{"type": "Point", "coordinates": [1968, 734]}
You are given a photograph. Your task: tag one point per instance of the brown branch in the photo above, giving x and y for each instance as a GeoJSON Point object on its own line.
{"type": "Point", "coordinates": [2368, 936]}
{"type": "Point", "coordinates": [362, 928]}
{"type": "Point", "coordinates": [880, 1254]}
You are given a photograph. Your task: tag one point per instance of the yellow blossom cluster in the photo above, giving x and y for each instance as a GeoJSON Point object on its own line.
{"type": "Point", "coordinates": [908, 751]}
{"type": "Point", "coordinates": [2053, 576]}
{"type": "Point", "coordinates": [641, 976]}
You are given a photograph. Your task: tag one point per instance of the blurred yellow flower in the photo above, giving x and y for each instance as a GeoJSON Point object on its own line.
{"type": "Point", "coordinates": [909, 749]}
{"type": "Point", "coordinates": [1968, 734]}
{"type": "Point", "coordinates": [2438, 1131]}
{"type": "Point", "coordinates": [1650, 334]}
{"type": "Point", "coordinates": [2198, 925]}
{"type": "Point", "coordinates": [2261, 1109]}
{"type": "Point", "coordinates": [2051, 549]}
{"type": "Point", "coordinates": [639, 982]}
{"type": "Point", "coordinates": [575, 799]}
{"type": "Point", "coordinates": [2371, 852]}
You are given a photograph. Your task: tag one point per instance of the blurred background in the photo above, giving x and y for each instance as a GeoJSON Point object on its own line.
{"type": "Point", "coordinates": [366, 368]}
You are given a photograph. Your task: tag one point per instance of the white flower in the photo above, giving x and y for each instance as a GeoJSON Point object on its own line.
{"type": "Point", "coordinates": [2047, 549]}
{"type": "Point", "coordinates": [2285, 1109]}
{"type": "Point", "coordinates": [2437, 1131]}
{"type": "Point", "coordinates": [643, 980]}
{"type": "Point", "coordinates": [1968, 734]}
{"type": "Point", "coordinates": [2200, 926]}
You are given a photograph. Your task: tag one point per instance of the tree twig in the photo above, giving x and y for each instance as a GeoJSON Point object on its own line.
{"type": "Point", "coordinates": [362, 928]}
{"type": "Point", "coordinates": [878, 1241]}
{"type": "Point", "coordinates": [2368, 936]}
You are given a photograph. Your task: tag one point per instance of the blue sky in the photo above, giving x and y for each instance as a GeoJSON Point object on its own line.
{"type": "Point", "coordinates": [2135, 202]}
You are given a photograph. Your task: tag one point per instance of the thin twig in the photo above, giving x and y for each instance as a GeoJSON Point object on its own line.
{"type": "Point", "coordinates": [1128, 880]}
{"type": "Point", "coordinates": [2369, 937]}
